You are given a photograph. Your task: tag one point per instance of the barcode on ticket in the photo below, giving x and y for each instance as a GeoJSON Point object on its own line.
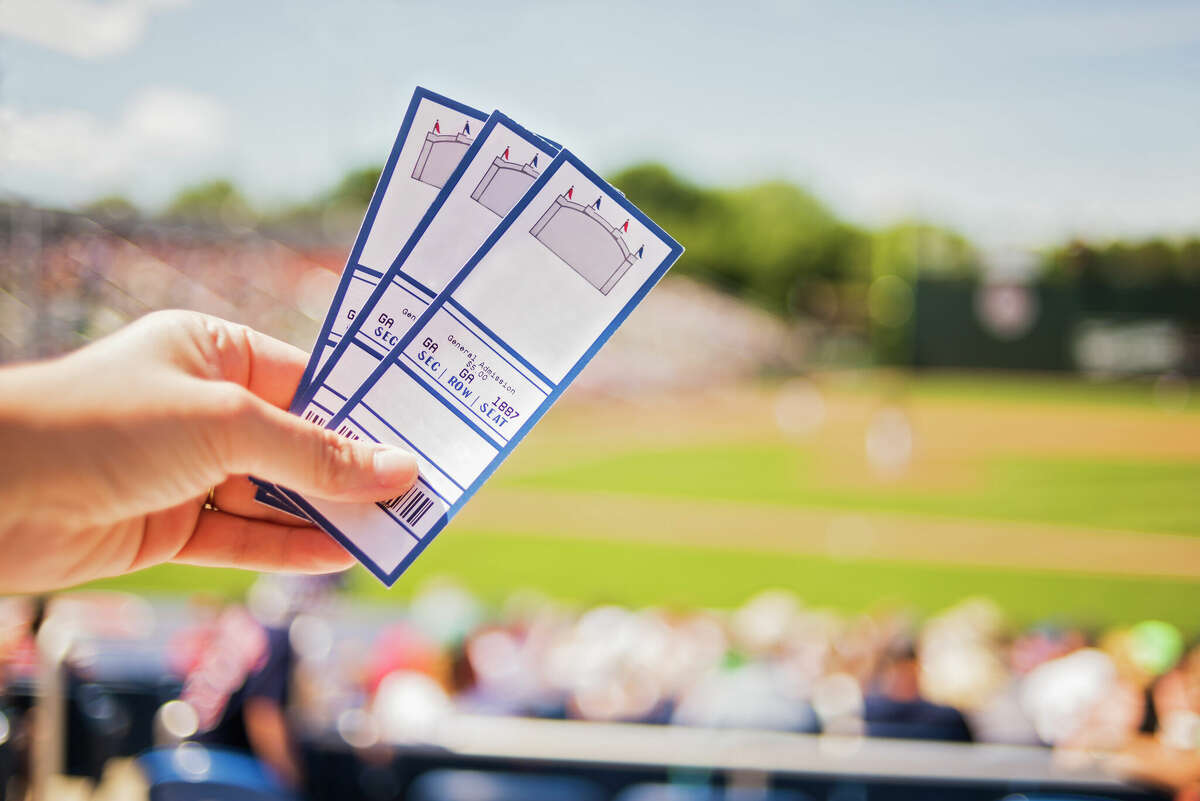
{"type": "Point", "coordinates": [411, 506]}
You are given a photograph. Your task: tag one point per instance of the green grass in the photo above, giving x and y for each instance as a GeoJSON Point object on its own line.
{"type": "Point", "coordinates": [1046, 388]}
{"type": "Point", "coordinates": [1133, 495]}
{"type": "Point", "coordinates": [656, 574]}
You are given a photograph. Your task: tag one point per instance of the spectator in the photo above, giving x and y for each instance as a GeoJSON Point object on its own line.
{"type": "Point", "coordinates": [895, 707]}
{"type": "Point", "coordinates": [239, 688]}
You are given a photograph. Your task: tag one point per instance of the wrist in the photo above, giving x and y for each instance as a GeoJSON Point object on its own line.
{"type": "Point", "coordinates": [26, 427]}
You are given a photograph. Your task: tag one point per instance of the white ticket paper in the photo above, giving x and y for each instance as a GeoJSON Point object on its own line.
{"type": "Point", "coordinates": [488, 357]}
{"type": "Point", "coordinates": [433, 138]}
{"type": "Point", "coordinates": [496, 172]}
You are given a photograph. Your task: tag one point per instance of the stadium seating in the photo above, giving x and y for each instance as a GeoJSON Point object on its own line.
{"type": "Point", "coordinates": [193, 772]}
{"type": "Point", "coordinates": [476, 785]}
{"type": "Point", "coordinates": [1054, 798]}
{"type": "Point", "coordinates": [97, 723]}
{"type": "Point", "coordinates": [681, 792]}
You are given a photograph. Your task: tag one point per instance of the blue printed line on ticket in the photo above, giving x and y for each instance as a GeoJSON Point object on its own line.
{"type": "Point", "coordinates": [496, 172]}
{"type": "Point", "coordinates": [434, 136]}
{"type": "Point", "coordinates": [490, 355]}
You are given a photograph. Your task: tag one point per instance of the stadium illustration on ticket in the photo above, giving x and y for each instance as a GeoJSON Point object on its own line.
{"type": "Point", "coordinates": [440, 154]}
{"type": "Point", "coordinates": [504, 183]}
{"type": "Point", "coordinates": [588, 243]}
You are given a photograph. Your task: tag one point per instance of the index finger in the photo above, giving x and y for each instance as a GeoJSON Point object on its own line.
{"type": "Point", "coordinates": [276, 368]}
{"type": "Point", "coordinates": [268, 367]}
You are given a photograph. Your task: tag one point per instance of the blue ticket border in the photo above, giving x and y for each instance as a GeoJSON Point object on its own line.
{"type": "Point", "coordinates": [497, 117]}
{"type": "Point", "coordinates": [676, 250]}
{"type": "Point", "coordinates": [368, 223]}
{"type": "Point", "coordinates": [266, 493]}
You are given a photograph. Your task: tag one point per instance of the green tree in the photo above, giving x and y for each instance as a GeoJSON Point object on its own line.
{"type": "Point", "coordinates": [111, 207]}
{"type": "Point", "coordinates": [1149, 262]}
{"type": "Point", "coordinates": [762, 241]}
{"type": "Point", "coordinates": [355, 188]}
{"type": "Point", "coordinates": [335, 212]}
{"type": "Point", "coordinates": [213, 202]}
{"type": "Point", "coordinates": [697, 217]}
{"type": "Point", "coordinates": [1153, 261]}
{"type": "Point", "coordinates": [911, 248]}
{"type": "Point", "coordinates": [1189, 261]}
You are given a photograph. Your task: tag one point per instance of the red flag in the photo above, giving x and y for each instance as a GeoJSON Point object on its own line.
{"type": "Point", "coordinates": [570, 193]}
{"type": "Point", "coordinates": [437, 126]}
{"type": "Point", "coordinates": [625, 227]}
{"type": "Point", "coordinates": [505, 156]}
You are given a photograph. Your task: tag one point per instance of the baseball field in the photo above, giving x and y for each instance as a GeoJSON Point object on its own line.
{"type": "Point", "coordinates": [1061, 499]}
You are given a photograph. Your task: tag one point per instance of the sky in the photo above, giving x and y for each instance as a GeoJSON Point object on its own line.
{"type": "Point", "coordinates": [1018, 123]}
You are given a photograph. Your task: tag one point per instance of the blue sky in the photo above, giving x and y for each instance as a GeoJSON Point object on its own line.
{"type": "Point", "coordinates": [1019, 123]}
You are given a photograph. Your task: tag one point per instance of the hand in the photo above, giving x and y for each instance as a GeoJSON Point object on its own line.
{"type": "Point", "coordinates": [107, 457]}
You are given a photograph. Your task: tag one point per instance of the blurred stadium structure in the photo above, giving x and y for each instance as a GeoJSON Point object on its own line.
{"type": "Point", "coordinates": [842, 513]}
{"type": "Point", "coordinates": [450, 697]}
{"type": "Point", "coordinates": [816, 292]}
{"type": "Point", "coordinates": [67, 278]}
{"type": "Point", "coordinates": [386, 701]}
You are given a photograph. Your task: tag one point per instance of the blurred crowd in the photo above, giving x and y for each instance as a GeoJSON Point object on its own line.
{"type": "Point", "coordinates": [67, 279]}
{"type": "Point", "coordinates": [299, 659]}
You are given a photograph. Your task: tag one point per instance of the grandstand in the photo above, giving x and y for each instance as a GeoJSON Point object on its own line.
{"type": "Point", "coordinates": [446, 699]}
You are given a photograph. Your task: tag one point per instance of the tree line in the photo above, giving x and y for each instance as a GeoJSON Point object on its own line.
{"type": "Point", "coordinates": [772, 243]}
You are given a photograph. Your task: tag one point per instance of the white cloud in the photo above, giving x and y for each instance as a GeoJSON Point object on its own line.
{"type": "Point", "coordinates": [81, 28]}
{"type": "Point", "coordinates": [161, 134]}
{"type": "Point", "coordinates": [170, 118]}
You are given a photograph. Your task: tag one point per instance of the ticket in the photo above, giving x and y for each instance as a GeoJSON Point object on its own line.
{"type": "Point", "coordinates": [488, 357]}
{"type": "Point", "coordinates": [434, 136]}
{"type": "Point", "coordinates": [496, 172]}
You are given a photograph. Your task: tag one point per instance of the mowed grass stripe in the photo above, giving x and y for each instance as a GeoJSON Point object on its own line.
{"type": "Point", "coordinates": [942, 540]}
{"type": "Point", "coordinates": [1133, 495]}
{"type": "Point", "coordinates": [991, 387]}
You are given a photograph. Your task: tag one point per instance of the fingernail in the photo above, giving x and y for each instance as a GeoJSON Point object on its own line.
{"type": "Point", "coordinates": [394, 467]}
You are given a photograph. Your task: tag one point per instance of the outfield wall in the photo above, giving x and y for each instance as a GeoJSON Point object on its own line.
{"type": "Point", "coordinates": [1136, 330]}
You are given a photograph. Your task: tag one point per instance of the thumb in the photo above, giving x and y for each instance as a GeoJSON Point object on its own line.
{"type": "Point", "coordinates": [280, 447]}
